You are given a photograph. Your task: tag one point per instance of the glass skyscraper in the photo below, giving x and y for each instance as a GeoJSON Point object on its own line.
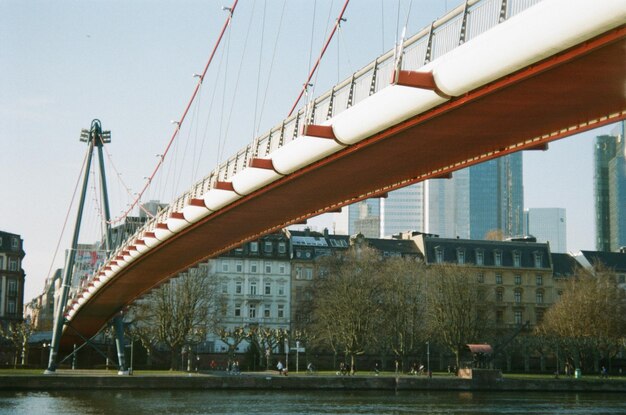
{"type": "Point", "coordinates": [484, 200]}
{"type": "Point", "coordinates": [610, 189]}
{"type": "Point", "coordinates": [478, 200]}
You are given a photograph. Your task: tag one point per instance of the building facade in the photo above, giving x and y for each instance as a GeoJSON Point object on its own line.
{"type": "Point", "coordinates": [517, 275]}
{"type": "Point", "coordinates": [254, 281]}
{"type": "Point", "coordinates": [12, 278]}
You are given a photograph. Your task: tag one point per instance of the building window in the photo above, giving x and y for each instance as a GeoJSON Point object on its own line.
{"type": "Point", "coordinates": [12, 264]}
{"type": "Point", "coordinates": [281, 269]}
{"type": "Point", "coordinates": [499, 295]}
{"type": "Point", "coordinates": [539, 315]}
{"type": "Point", "coordinates": [282, 247]}
{"type": "Point", "coordinates": [281, 289]}
{"type": "Point", "coordinates": [481, 277]}
{"type": "Point", "coordinates": [1, 262]}
{"type": "Point", "coordinates": [460, 256]}
{"type": "Point", "coordinates": [268, 288]}
{"type": "Point", "coordinates": [518, 279]}
{"type": "Point", "coordinates": [518, 296]}
{"type": "Point", "coordinates": [267, 247]}
{"type": "Point", "coordinates": [497, 258]}
{"type": "Point", "coordinates": [539, 279]}
{"type": "Point", "coordinates": [498, 278]}
{"type": "Point", "coordinates": [268, 267]}
{"type": "Point", "coordinates": [224, 266]}
{"type": "Point", "coordinates": [224, 288]}
{"type": "Point", "coordinates": [539, 296]}
{"type": "Point", "coordinates": [538, 258]}
{"type": "Point", "coordinates": [281, 311]}
{"type": "Point", "coordinates": [12, 288]}
{"type": "Point", "coordinates": [239, 267]}
{"type": "Point", "coordinates": [308, 273]}
{"type": "Point", "coordinates": [438, 254]}
{"type": "Point", "coordinates": [518, 317]}
{"type": "Point", "coordinates": [252, 311]}
{"type": "Point", "coordinates": [254, 247]}
{"type": "Point", "coordinates": [11, 308]}
{"type": "Point", "coordinates": [237, 310]}
{"type": "Point", "coordinates": [499, 316]}
{"type": "Point", "coordinates": [266, 311]}
{"type": "Point", "coordinates": [517, 259]}
{"type": "Point", "coordinates": [238, 287]}
{"type": "Point", "coordinates": [253, 288]}
{"type": "Point", "coordinates": [254, 267]}
{"type": "Point", "coordinates": [480, 257]}
{"type": "Point", "coordinates": [299, 272]}
{"type": "Point", "coordinates": [15, 243]}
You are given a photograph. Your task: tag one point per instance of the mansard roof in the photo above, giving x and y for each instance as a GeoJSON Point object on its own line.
{"type": "Point", "coordinates": [563, 265]}
{"type": "Point", "coordinates": [471, 249]}
{"type": "Point", "coordinates": [613, 260]}
{"type": "Point", "coordinates": [394, 247]}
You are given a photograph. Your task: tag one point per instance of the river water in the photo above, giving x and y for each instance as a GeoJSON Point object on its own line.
{"type": "Point", "coordinates": [155, 402]}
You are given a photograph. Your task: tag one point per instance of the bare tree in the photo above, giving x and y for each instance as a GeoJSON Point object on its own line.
{"type": "Point", "coordinates": [590, 316]}
{"type": "Point", "coordinates": [18, 333]}
{"type": "Point", "coordinates": [232, 338]}
{"type": "Point", "coordinates": [347, 306]}
{"type": "Point", "coordinates": [179, 313]}
{"type": "Point", "coordinates": [455, 310]}
{"type": "Point", "coordinates": [403, 301]}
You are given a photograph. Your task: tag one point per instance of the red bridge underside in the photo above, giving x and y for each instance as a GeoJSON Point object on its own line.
{"type": "Point", "coordinates": [585, 84]}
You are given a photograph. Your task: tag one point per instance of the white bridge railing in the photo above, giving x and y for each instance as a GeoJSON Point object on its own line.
{"type": "Point", "coordinates": [460, 25]}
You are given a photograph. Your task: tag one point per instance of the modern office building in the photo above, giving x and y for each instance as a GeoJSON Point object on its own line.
{"type": "Point", "coordinates": [477, 201]}
{"type": "Point", "coordinates": [481, 199]}
{"type": "Point", "coordinates": [11, 278]}
{"type": "Point", "coordinates": [547, 225]}
{"type": "Point", "coordinates": [610, 189]}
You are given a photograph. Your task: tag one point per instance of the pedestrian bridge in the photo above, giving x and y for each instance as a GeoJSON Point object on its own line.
{"type": "Point", "coordinates": [489, 79]}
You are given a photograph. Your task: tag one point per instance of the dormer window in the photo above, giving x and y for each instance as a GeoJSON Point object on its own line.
{"type": "Point", "coordinates": [538, 259]}
{"type": "Point", "coordinates": [517, 259]}
{"type": "Point", "coordinates": [497, 258]}
{"type": "Point", "coordinates": [460, 256]}
{"type": "Point", "coordinates": [480, 257]}
{"type": "Point", "coordinates": [439, 254]}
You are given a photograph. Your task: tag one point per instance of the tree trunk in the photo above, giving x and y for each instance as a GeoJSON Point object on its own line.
{"type": "Point", "coordinates": [352, 360]}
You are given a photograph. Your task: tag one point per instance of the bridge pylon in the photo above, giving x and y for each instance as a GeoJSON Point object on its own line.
{"type": "Point", "coordinates": [95, 137]}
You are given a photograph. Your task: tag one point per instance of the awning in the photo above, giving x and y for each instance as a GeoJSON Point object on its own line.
{"type": "Point", "coordinates": [480, 348]}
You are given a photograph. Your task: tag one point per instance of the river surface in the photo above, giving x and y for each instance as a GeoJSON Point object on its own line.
{"type": "Point", "coordinates": [155, 402]}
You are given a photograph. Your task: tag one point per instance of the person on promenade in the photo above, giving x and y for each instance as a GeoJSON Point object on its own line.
{"type": "Point", "coordinates": [280, 367]}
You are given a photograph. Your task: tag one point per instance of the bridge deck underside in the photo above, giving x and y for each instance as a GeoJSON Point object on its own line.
{"type": "Point", "coordinates": [583, 84]}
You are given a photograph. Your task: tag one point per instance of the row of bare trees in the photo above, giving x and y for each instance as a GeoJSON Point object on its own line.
{"type": "Point", "coordinates": [367, 305]}
{"type": "Point", "coordinates": [364, 304]}
{"type": "Point", "coordinates": [393, 306]}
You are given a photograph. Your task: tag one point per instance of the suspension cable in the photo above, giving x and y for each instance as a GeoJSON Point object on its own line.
{"type": "Point", "coordinates": [332, 33]}
{"type": "Point", "coordinates": [231, 12]}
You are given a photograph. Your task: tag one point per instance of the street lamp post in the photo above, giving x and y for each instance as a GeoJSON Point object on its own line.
{"type": "Point", "coordinates": [428, 357]}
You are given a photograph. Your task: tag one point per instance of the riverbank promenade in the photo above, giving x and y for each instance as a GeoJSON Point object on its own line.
{"type": "Point", "coordinates": [100, 379]}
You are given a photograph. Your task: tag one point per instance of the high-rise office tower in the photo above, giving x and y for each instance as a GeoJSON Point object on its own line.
{"type": "Point", "coordinates": [610, 189]}
{"type": "Point", "coordinates": [480, 201]}
{"type": "Point", "coordinates": [547, 225]}
{"type": "Point", "coordinates": [399, 211]}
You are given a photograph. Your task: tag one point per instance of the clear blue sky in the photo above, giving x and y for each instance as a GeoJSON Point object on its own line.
{"type": "Point", "coordinates": [130, 64]}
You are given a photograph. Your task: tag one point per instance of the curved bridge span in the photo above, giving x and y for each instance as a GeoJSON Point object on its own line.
{"type": "Point", "coordinates": [447, 115]}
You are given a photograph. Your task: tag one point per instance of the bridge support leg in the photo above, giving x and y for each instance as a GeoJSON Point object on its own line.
{"type": "Point", "coordinates": [118, 326]}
